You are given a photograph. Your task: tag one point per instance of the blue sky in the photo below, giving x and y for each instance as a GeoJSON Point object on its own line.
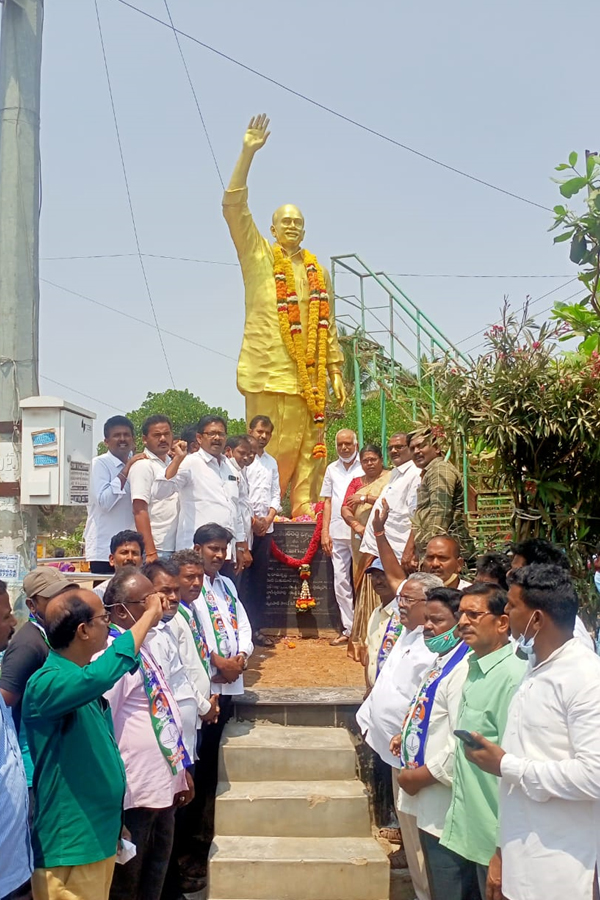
{"type": "Point", "coordinates": [489, 89]}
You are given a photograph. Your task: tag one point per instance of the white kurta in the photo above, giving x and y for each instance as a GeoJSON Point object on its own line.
{"type": "Point", "coordinates": [382, 714]}
{"type": "Point", "coordinates": [550, 784]}
{"type": "Point", "coordinates": [400, 493]}
{"type": "Point", "coordinates": [241, 644]}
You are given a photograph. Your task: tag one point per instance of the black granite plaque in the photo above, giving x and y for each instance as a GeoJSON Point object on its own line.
{"type": "Point", "coordinates": [283, 585]}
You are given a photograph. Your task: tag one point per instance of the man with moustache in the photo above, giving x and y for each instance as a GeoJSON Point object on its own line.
{"type": "Point", "coordinates": [400, 496]}
{"type": "Point", "coordinates": [336, 536]}
{"type": "Point", "coordinates": [208, 489]}
{"type": "Point", "coordinates": [78, 808]}
{"type": "Point", "coordinates": [156, 520]}
{"type": "Point", "coordinates": [109, 509]}
{"type": "Point", "coordinates": [126, 549]}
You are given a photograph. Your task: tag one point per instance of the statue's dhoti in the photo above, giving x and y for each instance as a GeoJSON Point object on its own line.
{"type": "Point", "coordinates": [294, 436]}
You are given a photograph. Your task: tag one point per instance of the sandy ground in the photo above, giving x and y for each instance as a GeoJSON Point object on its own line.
{"type": "Point", "coordinates": [302, 662]}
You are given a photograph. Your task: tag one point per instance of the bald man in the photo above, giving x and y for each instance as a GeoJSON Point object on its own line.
{"type": "Point", "coordinates": [78, 777]}
{"type": "Point", "coordinates": [267, 374]}
{"type": "Point", "coordinates": [336, 537]}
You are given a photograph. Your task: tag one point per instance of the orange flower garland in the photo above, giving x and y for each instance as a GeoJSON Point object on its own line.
{"type": "Point", "coordinates": [312, 361]}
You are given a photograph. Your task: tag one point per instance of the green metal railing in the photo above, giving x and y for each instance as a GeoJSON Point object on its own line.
{"type": "Point", "coordinates": [406, 325]}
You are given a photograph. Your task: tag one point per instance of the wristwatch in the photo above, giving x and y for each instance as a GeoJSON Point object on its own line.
{"type": "Point", "coordinates": [363, 498]}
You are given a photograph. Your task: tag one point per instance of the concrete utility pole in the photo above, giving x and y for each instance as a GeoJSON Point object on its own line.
{"type": "Point", "coordinates": [20, 75]}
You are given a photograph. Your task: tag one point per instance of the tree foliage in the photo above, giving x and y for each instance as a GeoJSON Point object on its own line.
{"type": "Point", "coordinates": [183, 408]}
{"type": "Point", "coordinates": [583, 232]}
{"type": "Point", "coordinates": [537, 416]}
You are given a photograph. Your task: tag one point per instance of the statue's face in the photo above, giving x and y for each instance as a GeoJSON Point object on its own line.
{"type": "Point", "coordinates": [288, 227]}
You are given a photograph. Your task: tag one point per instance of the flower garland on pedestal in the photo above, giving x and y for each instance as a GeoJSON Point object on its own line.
{"type": "Point", "coordinates": [312, 361]}
{"type": "Point", "coordinates": [305, 601]}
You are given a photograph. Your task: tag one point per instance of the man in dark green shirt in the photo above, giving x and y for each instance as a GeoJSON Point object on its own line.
{"type": "Point", "coordinates": [79, 778]}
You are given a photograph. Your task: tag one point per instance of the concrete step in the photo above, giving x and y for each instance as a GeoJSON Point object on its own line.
{"type": "Point", "coordinates": [286, 868]}
{"type": "Point", "coordinates": [252, 752]}
{"type": "Point", "coordinates": [293, 809]}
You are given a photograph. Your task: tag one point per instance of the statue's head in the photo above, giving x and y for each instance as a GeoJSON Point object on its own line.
{"type": "Point", "coordinates": [288, 228]}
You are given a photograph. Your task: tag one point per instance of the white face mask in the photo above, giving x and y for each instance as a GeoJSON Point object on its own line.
{"type": "Point", "coordinates": [349, 459]}
{"type": "Point", "coordinates": [526, 645]}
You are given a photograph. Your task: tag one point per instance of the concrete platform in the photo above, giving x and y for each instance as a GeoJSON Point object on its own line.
{"type": "Point", "coordinates": [292, 868]}
{"type": "Point", "coordinates": [278, 753]}
{"type": "Point", "coordinates": [316, 707]}
{"type": "Point", "coordinates": [292, 809]}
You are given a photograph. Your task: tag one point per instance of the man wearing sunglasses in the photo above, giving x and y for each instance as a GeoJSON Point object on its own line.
{"type": "Point", "coordinates": [470, 831]}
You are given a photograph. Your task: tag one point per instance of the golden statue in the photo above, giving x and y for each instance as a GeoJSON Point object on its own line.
{"type": "Point", "coordinates": [290, 342]}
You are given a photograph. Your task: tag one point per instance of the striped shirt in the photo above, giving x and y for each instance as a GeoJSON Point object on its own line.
{"type": "Point", "coordinates": [16, 860]}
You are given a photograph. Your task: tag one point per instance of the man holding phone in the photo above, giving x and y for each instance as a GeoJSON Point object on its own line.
{"type": "Point", "coordinates": [471, 825]}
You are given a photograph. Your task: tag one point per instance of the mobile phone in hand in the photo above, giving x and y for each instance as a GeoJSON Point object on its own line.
{"type": "Point", "coordinates": [467, 738]}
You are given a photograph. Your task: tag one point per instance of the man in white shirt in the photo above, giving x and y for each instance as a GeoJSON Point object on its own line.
{"type": "Point", "coordinates": [109, 510]}
{"type": "Point", "coordinates": [336, 536]}
{"type": "Point", "coordinates": [549, 761]}
{"type": "Point", "coordinates": [400, 494]}
{"type": "Point", "coordinates": [208, 489]}
{"type": "Point", "coordinates": [265, 499]}
{"type": "Point", "coordinates": [240, 451]}
{"type": "Point", "coordinates": [382, 714]}
{"type": "Point", "coordinates": [156, 520]}
{"type": "Point", "coordinates": [229, 639]}
{"type": "Point", "coordinates": [126, 549]}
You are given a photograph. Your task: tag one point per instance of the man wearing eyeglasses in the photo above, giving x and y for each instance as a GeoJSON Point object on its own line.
{"type": "Point", "coordinates": [208, 490]}
{"type": "Point", "coordinates": [79, 779]}
{"type": "Point", "coordinates": [469, 838]}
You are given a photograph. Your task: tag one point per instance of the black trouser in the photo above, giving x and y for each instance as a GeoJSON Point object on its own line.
{"type": "Point", "coordinates": [254, 581]}
{"type": "Point", "coordinates": [200, 814]}
{"type": "Point", "coordinates": [101, 567]}
{"type": "Point", "coordinates": [172, 888]}
{"type": "Point", "coordinates": [152, 833]}
{"type": "Point", "coordinates": [450, 876]}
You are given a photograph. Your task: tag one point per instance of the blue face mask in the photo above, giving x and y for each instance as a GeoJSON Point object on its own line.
{"type": "Point", "coordinates": [442, 643]}
{"type": "Point", "coordinates": [526, 645]}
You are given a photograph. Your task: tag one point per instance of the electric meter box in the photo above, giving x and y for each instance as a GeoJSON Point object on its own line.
{"type": "Point", "coordinates": [57, 451]}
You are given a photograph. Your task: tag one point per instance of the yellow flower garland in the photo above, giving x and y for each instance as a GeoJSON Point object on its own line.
{"type": "Point", "coordinates": [312, 361]}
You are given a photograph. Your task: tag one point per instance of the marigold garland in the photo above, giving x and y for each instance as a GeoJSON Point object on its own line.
{"type": "Point", "coordinates": [311, 361]}
{"type": "Point", "coordinates": [305, 601]}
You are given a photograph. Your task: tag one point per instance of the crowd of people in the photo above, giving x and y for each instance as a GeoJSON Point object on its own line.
{"type": "Point", "coordinates": [482, 705]}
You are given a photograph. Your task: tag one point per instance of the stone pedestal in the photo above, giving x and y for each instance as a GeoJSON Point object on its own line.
{"type": "Point", "coordinates": [283, 587]}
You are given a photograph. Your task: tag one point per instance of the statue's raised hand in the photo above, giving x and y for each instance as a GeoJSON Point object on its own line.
{"type": "Point", "coordinates": [256, 133]}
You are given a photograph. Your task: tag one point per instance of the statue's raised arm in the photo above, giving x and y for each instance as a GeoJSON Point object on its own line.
{"type": "Point", "coordinates": [290, 343]}
{"type": "Point", "coordinates": [256, 137]}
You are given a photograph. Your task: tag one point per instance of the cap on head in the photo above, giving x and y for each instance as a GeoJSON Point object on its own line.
{"type": "Point", "coordinates": [46, 582]}
{"type": "Point", "coordinates": [376, 566]}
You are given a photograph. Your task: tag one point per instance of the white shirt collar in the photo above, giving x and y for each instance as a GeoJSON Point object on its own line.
{"type": "Point", "coordinates": [115, 459]}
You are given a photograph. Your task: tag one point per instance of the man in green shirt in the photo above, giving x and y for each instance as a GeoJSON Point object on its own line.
{"type": "Point", "coordinates": [470, 829]}
{"type": "Point", "coordinates": [78, 777]}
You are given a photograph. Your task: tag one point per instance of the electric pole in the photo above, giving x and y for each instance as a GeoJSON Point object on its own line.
{"type": "Point", "coordinates": [20, 75]}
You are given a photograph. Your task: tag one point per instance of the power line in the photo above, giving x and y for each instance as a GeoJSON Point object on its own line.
{"type": "Point", "coordinates": [120, 312]}
{"type": "Point", "coordinates": [81, 394]}
{"type": "Point", "coordinates": [196, 101]}
{"type": "Point", "coordinates": [530, 304]}
{"type": "Point", "coordinates": [129, 200]}
{"type": "Point", "coordinates": [208, 262]}
{"type": "Point", "coordinates": [334, 112]}
{"type": "Point", "coordinates": [216, 262]}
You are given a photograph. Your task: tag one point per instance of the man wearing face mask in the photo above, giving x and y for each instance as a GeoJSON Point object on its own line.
{"type": "Point", "coordinates": [549, 761]}
{"type": "Point", "coordinates": [336, 536]}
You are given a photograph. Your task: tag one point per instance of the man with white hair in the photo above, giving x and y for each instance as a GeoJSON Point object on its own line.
{"type": "Point", "coordinates": [336, 537]}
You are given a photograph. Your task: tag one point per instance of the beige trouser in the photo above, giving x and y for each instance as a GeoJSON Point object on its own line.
{"type": "Point", "coordinates": [88, 882]}
{"type": "Point", "coordinates": [294, 436]}
{"type": "Point", "coordinates": [412, 846]}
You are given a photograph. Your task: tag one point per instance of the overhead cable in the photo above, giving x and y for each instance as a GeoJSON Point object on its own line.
{"type": "Point", "coordinates": [333, 112]}
{"type": "Point", "coordinates": [129, 200]}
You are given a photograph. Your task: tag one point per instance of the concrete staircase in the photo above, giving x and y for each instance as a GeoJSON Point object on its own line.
{"type": "Point", "coordinates": [292, 820]}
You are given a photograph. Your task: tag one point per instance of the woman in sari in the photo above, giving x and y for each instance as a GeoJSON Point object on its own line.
{"type": "Point", "coordinates": [360, 497]}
